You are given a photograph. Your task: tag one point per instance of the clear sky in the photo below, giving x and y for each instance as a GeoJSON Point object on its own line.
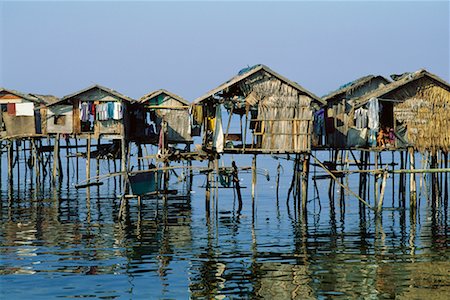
{"type": "Point", "coordinates": [191, 47]}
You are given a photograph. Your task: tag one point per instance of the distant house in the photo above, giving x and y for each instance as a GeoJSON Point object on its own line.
{"type": "Point", "coordinates": [19, 114]}
{"type": "Point", "coordinates": [95, 110]}
{"type": "Point", "coordinates": [416, 107]}
{"type": "Point", "coordinates": [339, 114]}
{"type": "Point", "coordinates": [269, 114]}
{"type": "Point", "coordinates": [159, 106]}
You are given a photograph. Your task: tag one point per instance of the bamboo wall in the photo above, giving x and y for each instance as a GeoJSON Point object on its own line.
{"type": "Point", "coordinates": [426, 114]}
{"type": "Point", "coordinates": [285, 115]}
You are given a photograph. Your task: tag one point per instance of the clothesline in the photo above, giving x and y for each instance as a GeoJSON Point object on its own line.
{"type": "Point", "coordinates": [101, 112]}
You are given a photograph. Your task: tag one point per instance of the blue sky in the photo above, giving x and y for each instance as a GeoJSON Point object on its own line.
{"type": "Point", "coordinates": [191, 47]}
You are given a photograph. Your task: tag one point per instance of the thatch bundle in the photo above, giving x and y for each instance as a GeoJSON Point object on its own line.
{"type": "Point", "coordinates": [426, 115]}
{"type": "Point", "coordinates": [284, 113]}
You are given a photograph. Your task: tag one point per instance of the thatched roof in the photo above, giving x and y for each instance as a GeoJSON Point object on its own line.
{"type": "Point", "coordinates": [28, 97]}
{"type": "Point", "coordinates": [96, 86]}
{"type": "Point", "coordinates": [353, 85]}
{"type": "Point", "coordinates": [156, 93]}
{"type": "Point", "coordinates": [245, 73]}
{"type": "Point", "coordinates": [401, 83]}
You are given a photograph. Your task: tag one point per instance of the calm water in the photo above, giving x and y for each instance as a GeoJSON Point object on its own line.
{"type": "Point", "coordinates": [67, 245]}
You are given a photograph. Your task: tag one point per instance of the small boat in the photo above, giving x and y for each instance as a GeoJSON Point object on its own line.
{"type": "Point", "coordinates": [145, 183]}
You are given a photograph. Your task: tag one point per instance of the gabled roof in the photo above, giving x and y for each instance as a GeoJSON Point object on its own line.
{"type": "Point", "coordinates": [401, 82]}
{"type": "Point", "coordinates": [97, 86]}
{"type": "Point", "coordinates": [245, 73]}
{"type": "Point", "coordinates": [353, 85]}
{"type": "Point", "coordinates": [21, 95]}
{"type": "Point", "coordinates": [156, 93]}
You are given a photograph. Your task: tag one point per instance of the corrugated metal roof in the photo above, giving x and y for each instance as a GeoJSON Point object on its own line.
{"type": "Point", "coordinates": [97, 86]}
{"type": "Point", "coordinates": [156, 93]}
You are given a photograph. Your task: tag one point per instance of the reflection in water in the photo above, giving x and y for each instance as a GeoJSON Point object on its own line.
{"type": "Point", "coordinates": [70, 243]}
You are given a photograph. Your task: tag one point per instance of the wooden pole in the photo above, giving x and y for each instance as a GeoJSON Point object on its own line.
{"type": "Point", "coordinates": [375, 192]}
{"type": "Point", "coordinates": [336, 180]}
{"type": "Point", "coordinates": [446, 177]}
{"type": "Point", "coordinates": [139, 146]}
{"type": "Point", "coordinates": [383, 188]}
{"type": "Point", "coordinates": [55, 172]}
{"type": "Point", "coordinates": [412, 178]}
{"type": "Point", "coordinates": [401, 182]}
{"type": "Point", "coordinates": [17, 162]}
{"type": "Point", "coordinates": [76, 157]}
{"type": "Point", "coordinates": [278, 181]}
{"type": "Point", "coordinates": [97, 159]}
{"type": "Point", "coordinates": [208, 188]}
{"type": "Point", "coordinates": [67, 158]}
{"type": "Point", "coordinates": [1, 168]}
{"type": "Point", "coordinates": [10, 164]}
{"type": "Point", "coordinates": [305, 177]}
{"type": "Point", "coordinates": [123, 163]}
{"type": "Point", "coordinates": [35, 163]}
{"type": "Point", "coordinates": [253, 182]}
{"type": "Point", "coordinates": [88, 159]}
{"type": "Point", "coordinates": [237, 186]}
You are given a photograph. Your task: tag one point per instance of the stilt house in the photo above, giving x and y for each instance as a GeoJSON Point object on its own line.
{"type": "Point", "coordinates": [265, 113]}
{"type": "Point", "coordinates": [336, 120]}
{"type": "Point", "coordinates": [158, 107]}
{"type": "Point", "coordinates": [96, 110]}
{"type": "Point", "coordinates": [19, 114]}
{"type": "Point", "coordinates": [413, 110]}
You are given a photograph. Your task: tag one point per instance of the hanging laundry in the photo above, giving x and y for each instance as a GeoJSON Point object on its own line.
{"type": "Point", "coordinates": [319, 122]}
{"type": "Point", "coordinates": [361, 118]}
{"type": "Point", "coordinates": [25, 109]}
{"type": "Point", "coordinates": [117, 111]}
{"type": "Point", "coordinates": [218, 131]}
{"type": "Point", "coordinates": [161, 142]}
{"type": "Point", "coordinates": [11, 108]}
{"type": "Point", "coordinates": [372, 140]}
{"type": "Point", "coordinates": [373, 114]}
{"type": "Point", "coordinates": [110, 109]}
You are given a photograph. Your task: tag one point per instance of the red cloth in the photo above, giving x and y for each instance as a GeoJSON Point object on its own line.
{"type": "Point", "coordinates": [11, 107]}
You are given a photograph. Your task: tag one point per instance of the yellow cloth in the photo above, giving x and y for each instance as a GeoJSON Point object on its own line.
{"type": "Point", "coordinates": [211, 123]}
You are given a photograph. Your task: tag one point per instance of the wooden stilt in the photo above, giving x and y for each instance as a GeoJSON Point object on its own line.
{"type": "Point", "coordinates": [10, 164]}
{"type": "Point", "coordinates": [253, 182]}
{"type": "Point", "coordinates": [237, 186]}
{"type": "Point", "coordinates": [1, 167]}
{"type": "Point", "coordinates": [191, 172]}
{"type": "Point", "coordinates": [383, 188]}
{"type": "Point", "coordinates": [17, 164]}
{"type": "Point", "coordinates": [305, 177]}
{"type": "Point", "coordinates": [35, 163]}
{"type": "Point", "coordinates": [55, 171]}
{"type": "Point", "coordinates": [401, 194]}
{"type": "Point", "coordinates": [208, 188]}
{"type": "Point", "coordinates": [393, 177]}
{"type": "Point", "coordinates": [97, 159]}
{"type": "Point", "coordinates": [67, 158]}
{"type": "Point", "coordinates": [88, 159]}
{"type": "Point", "coordinates": [139, 147]}
{"type": "Point", "coordinates": [278, 181]}
{"type": "Point", "coordinates": [376, 191]}
{"type": "Point", "coordinates": [412, 179]}
{"type": "Point", "coordinates": [446, 177]}
{"type": "Point", "coordinates": [76, 158]}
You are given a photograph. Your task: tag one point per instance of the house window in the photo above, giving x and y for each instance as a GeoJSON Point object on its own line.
{"type": "Point", "coordinates": [59, 120]}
